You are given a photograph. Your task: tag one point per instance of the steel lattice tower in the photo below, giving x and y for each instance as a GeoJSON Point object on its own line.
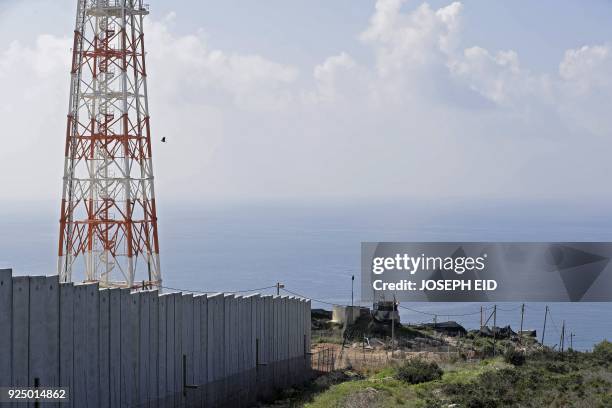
{"type": "Point", "coordinates": [108, 222]}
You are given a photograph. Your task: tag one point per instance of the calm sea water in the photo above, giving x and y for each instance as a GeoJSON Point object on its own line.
{"type": "Point", "coordinates": [314, 249]}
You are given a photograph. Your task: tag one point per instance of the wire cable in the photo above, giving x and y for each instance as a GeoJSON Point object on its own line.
{"type": "Point", "coordinates": [403, 307]}
{"type": "Point", "coordinates": [218, 291]}
{"type": "Point", "coordinates": [553, 322]}
{"type": "Point", "coordinates": [445, 314]}
{"type": "Point", "coordinates": [485, 309]}
{"type": "Point", "coordinates": [509, 310]}
{"type": "Point", "coordinates": [311, 298]}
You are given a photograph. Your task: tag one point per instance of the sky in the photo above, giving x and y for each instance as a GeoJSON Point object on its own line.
{"type": "Point", "coordinates": [328, 100]}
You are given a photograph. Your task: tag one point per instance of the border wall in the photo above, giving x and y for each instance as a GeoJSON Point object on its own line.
{"type": "Point", "coordinates": [113, 348]}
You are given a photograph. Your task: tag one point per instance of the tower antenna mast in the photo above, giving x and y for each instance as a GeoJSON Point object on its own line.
{"type": "Point", "coordinates": [108, 219]}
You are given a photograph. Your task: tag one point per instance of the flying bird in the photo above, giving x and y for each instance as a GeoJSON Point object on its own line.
{"type": "Point", "coordinates": [163, 139]}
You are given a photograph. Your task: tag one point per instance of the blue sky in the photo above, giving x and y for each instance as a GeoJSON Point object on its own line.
{"type": "Point", "coordinates": [329, 100]}
{"type": "Point", "coordinates": [308, 31]}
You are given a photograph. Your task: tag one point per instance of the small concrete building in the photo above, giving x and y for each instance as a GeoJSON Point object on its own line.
{"type": "Point", "coordinates": [348, 314]}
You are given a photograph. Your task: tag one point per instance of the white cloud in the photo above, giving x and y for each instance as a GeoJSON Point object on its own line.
{"type": "Point", "coordinates": [587, 67]}
{"type": "Point", "coordinates": [34, 81]}
{"type": "Point", "coordinates": [585, 93]}
{"type": "Point", "coordinates": [188, 63]}
{"type": "Point", "coordinates": [410, 41]}
{"type": "Point", "coordinates": [496, 77]}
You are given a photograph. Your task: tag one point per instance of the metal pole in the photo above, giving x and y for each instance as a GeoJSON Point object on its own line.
{"type": "Point", "coordinates": [363, 342]}
{"type": "Point", "coordinates": [393, 327]}
{"type": "Point", "coordinates": [352, 290]}
{"type": "Point", "coordinates": [544, 328]}
{"type": "Point", "coordinates": [522, 315]}
{"type": "Point", "coordinates": [494, 327]}
{"type": "Point", "coordinates": [562, 339]}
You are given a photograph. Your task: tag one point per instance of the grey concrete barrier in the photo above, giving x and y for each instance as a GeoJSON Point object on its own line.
{"type": "Point", "coordinates": [115, 348]}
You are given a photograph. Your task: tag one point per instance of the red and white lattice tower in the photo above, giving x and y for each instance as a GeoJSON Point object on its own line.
{"type": "Point", "coordinates": [108, 224]}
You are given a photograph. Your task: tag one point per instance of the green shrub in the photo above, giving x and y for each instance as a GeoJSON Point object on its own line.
{"type": "Point", "coordinates": [603, 351]}
{"type": "Point", "coordinates": [558, 367]}
{"type": "Point", "coordinates": [514, 357]}
{"type": "Point", "coordinates": [502, 388]}
{"type": "Point", "coordinates": [418, 371]}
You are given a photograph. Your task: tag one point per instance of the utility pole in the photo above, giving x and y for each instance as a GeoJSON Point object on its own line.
{"type": "Point", "coordinates": [393, 327]}
{"type": "Point", "coordinates": [522, 316]}
{"type": "Point", "coordinates": [562, 339]}
{"type": "Point", "coordinates": [494, 327]}
{"type": "Point", "coordinates": [279, 286]}
{"type": "Point", "coordinates": [544, 328]}
{"type": "Point", "coordinates": [572, 340]}
{"type": "Point", "coordinates": [480, 317]}
{"type": "Point", "coordinates": [352, 290]}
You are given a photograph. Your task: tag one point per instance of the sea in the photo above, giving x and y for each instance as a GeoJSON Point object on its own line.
{"type": "Point", "coordinates": [313, 249]}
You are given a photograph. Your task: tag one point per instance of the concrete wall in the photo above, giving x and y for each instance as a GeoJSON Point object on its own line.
{"type": "Point", "coordinates": [113, 348]}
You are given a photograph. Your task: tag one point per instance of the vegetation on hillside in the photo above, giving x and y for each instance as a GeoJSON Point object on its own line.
{"type": "Point", "coordinates": [544, 379]}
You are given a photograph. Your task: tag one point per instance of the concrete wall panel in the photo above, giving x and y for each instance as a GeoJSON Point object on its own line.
{"type": "Point", "coordinates": [285, 328]}
{"type": "Point", "coordinates": [104, 348]}
{"type": "Point", "coordinates": [44, 332]}
{"type": "Point", "coordinates": [187, 336]}
{"type": "Point", "coordinates": [114, 348]}
{"type": "Point", "coordinates": [254, 329]}
{"type": "Point", "coordinates": [227, 302]}
{"type": "Point", "coordinates": [268, 317]}
{"type": "Point", "coordinates": [237, 335]}
{"type": "Point", "coordinates": [234, 335]}
{"type": "Point", "coordinates": [153, 338]}
{"type": "Point", "coordinates": [79, 390]}
{"type": "Point", "coordinates": [66, 354]}
{"type": "Point", "coordinates": [162, 339]}
{"type": "Point", "coordinates": [216, 337]}
{"type": "Point", "coordinates": [129, 348]}
{"type": "Point", "coordinates": [178, 349]}
{"type": "Point", "coordinates": [195, 339]}
{"type": "Point", "coordinates": [6, 312]}
{"type": "Point", "coordinates": [92, 332]}
{"type": "Point", "coordinates": [308, 325]}
{"type": "Point", "coordinates": [170, 348]}
{"type": "Point", "coordinates": [144, 363]}
{"type": "Point", "coordinates": [203, 340]}
{"type": "Point", "coordinates": [21, 330]}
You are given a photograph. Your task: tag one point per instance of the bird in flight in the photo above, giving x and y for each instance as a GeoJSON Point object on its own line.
{"type": "Point", "coordinates": [163, 139]}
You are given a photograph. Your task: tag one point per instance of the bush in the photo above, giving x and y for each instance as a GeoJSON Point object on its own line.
{"type": "Point", "coordinates": [514, 357]}
{"type": "Point", "coordinates": [418, 371]}
{"type": "Point", "coordinates": [557, 367]}
{"type": "Point", "coordinates": [603, 351]}
{"type": "Point", "coordinates": [502, 388]}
